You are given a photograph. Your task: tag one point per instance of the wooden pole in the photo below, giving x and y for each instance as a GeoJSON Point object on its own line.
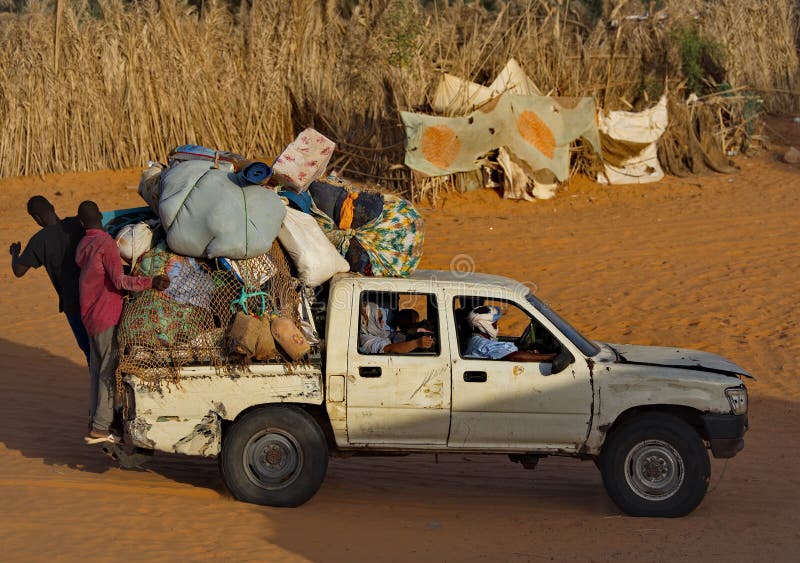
{"type": "Point", "coordinates": [610, 66]}
{"type": "Point", "coordinates": [57, 36]}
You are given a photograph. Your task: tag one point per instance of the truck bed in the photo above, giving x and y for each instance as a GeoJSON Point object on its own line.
{"type": "Point", "coordinates": [186, 418]}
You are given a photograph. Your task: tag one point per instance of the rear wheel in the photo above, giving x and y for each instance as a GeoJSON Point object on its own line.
{"type": "Point", "coordinates": [655, 465]}
{"type": "Point", "coordinates": [275, 456]}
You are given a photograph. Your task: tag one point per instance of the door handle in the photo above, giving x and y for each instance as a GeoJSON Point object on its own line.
{"type": "Point", "coordinates": [475, 376]}
{"type": "Point", "coordinates": [369, 371]}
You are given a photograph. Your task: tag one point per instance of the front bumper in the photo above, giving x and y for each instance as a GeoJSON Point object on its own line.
{"type": "Point", "coordinates": [725, 433]}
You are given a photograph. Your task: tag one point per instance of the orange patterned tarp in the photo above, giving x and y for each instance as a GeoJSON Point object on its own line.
{"type": "Point", "coordinates": [537, 130]}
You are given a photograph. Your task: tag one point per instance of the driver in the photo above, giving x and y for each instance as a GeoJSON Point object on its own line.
{"type": "Point", "coordinates": [484, 344]}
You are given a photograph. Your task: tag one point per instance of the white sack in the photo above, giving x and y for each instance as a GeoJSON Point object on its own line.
{"type": "Point", "coordinates": [454, 95]}
{"type": "Point", "coordinates": [640, 169]}
{"type": "Point", "coordinates": [150, 185]}
{"type": "Point", "coordinates": [643, 127]}
{"type": "Point", "coordinates": [317, 260]}
{"type": "Point", "coordinates": [208, 214]}
{"type": "Point", "coordinates": [133, 241]}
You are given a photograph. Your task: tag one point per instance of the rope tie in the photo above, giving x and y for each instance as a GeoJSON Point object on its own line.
{"type": "Point", "coordinates": [243, 299]}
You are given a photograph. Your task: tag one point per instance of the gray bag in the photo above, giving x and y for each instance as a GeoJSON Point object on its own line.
{"type": "Point", "coordinates": [208, 213]}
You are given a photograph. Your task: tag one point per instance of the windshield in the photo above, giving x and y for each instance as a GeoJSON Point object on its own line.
{"type": "Point", "coordinates": [584, 345]}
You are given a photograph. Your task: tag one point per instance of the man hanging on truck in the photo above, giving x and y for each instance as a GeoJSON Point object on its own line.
{"type": "Point", "coordinates": [484, 344]}
{"type": "Point", "coordinates": [54, 248]}
{"type": "Point", "coordinates": [102, 285]}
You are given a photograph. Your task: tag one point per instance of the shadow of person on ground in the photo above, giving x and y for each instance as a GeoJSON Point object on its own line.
{"type": "Point", "coordinates": [455, 507]}
{"type": "Point", "coordinates": [43, 415]}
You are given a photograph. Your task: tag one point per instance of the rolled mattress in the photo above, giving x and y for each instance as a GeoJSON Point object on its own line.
{"type": "Point", "coordinates": [209, 213]}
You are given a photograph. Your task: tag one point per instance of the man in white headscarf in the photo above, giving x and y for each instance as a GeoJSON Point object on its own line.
{"type": "Point", "coordinates": [375, 336]}
{"type": "Point", "coordinates": [484, 344]}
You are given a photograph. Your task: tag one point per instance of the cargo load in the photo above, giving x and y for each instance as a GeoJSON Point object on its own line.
{"type": "Point", "coordinates": [248, 256]}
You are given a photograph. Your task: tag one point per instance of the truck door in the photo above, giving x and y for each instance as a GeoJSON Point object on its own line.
{"type": "Point", "coordinates": [398, 397]}
{"type": "Point", "coordinates": [514, 405]}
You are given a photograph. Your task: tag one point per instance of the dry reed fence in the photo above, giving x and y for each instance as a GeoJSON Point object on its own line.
{"type": "Point", "coordinates": [117, 83]}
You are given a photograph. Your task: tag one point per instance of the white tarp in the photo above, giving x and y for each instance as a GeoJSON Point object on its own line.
{"type": "Point", "coordinates": [629, 127]}
{"type": "Point", "coordinates": [455, 96]}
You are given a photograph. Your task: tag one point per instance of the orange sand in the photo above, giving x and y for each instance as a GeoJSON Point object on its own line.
{"type": "Point", "coordinates": [705, 262]}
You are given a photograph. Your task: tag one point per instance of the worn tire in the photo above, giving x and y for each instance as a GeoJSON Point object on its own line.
{"type": "Point", "coordinates": [275, 456]}
{"type": "Point", "coordinates": [655, 465]}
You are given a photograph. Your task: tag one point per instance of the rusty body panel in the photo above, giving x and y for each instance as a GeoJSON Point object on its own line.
{"type": "Point", "coordinates": [187, 419]}
{"type": "Point", "coordinates": [422, 402]}
{"type": "Point", "coordinates": [408, 403]}
{"type": "Point", "coordinates": [620, 387]}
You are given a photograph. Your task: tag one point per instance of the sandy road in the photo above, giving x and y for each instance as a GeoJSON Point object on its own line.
{"type": "Point", "coordinates": [705, 262]}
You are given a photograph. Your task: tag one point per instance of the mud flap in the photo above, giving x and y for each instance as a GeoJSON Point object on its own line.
{"type": "Point", "coordinates": [128, 457]}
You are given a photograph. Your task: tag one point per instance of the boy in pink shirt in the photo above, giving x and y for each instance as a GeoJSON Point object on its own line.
{"type": "Point", "coordinates": [101, 286]}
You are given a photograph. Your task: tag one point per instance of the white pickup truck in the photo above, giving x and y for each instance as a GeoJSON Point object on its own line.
{"type": "Point", "coordinates": [645, 415]}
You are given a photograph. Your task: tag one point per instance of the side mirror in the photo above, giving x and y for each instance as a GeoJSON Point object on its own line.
{"type": "Point", "coordinates": [561, 361]}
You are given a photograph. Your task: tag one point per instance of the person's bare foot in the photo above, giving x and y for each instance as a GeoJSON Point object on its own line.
{"type": "Point", "coordinates": [98, 437]}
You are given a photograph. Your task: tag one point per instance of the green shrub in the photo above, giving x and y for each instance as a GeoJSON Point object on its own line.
{"type": "Point", "coordinates": [403, 33]}
{"type": "Point", "coordinates": [701, 60]}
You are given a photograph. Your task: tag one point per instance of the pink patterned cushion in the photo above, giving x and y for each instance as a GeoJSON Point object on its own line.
{"type": "Point", "coordinates": [303, 161]}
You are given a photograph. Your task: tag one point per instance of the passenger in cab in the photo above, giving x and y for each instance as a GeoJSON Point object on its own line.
{"type": "Point", "coordinates": [483, 343]}
{"type": "Point", "coordinates": [375, 336]}
{"type": "Point", "coordinates": [409, 326]}
{"type": "Point", "coordinates": [406, 321]}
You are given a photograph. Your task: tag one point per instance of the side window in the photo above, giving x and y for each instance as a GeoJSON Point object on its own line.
{"type": "Point", "coordinates": [398, 323]}
{"type": "Point", "coordinates": [499, 328]}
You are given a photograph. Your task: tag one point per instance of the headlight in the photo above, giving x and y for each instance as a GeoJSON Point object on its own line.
{"type": "Point", "coordinates": [737, 397]}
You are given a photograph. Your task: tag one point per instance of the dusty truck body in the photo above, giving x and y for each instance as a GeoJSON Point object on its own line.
{"type": "Point", "coordinates": [647, 416]}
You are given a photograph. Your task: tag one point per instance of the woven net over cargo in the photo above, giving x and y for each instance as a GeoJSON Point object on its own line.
{"type": "Point", "coordinates": [189, 323]}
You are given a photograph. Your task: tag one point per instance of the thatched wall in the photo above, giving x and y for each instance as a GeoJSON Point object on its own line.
{"type": "Point", "coordinates": [113, 84]}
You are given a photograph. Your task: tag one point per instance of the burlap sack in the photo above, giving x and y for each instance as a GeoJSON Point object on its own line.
{"type": "Point", "coordinates": [243, 335]}
{"type": "Point", "coordinates": [265, 345]}
{"type": "Point", "coordinates": [289, 338]}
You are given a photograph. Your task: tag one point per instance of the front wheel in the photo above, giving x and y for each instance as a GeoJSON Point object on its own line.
{"type": "Point", "coordinates": [275, 456]}
{"type": "Point", "coordinates": [655, 465]}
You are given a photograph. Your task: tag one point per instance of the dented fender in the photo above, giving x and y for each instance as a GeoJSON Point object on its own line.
{"type": "Point", "coordinates": [619, 387]}
{"type": "Point", "coordinates": [188, 418]}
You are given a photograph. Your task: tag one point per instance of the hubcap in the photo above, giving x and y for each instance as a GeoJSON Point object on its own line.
{"type": "Point", "coordinates": [272, 459]}
{"type": "Point", "coordinates": [654, 470]}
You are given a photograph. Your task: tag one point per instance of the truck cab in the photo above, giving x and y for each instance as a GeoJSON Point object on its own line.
{"type": "Point", "coordinates": [646, 415]}
{"type": "Point", "coordinates": [442, 398]}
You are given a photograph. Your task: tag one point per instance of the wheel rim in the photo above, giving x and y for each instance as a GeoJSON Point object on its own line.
{"type": "Point", "coordinates": [272, 459]}
{"type": "Point", "coordinates": [654, 470]}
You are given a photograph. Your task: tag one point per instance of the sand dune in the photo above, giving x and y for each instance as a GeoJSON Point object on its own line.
{"type": "Point", "coordinates": [704, 262]}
